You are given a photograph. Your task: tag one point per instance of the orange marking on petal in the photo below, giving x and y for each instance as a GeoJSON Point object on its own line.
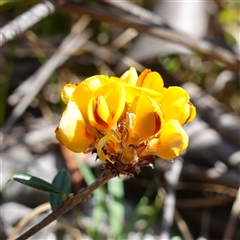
{"type": "Point", "coordinates": [87, 134]}
{"type": "Point", "coordinates": [190, 103]}
{"type": "Point", "coordinates": [112, 114]}
{"type": "Point", "coordinates": [97, 117]}
{"type": "Point", "coordinates": [186, 121]}
{"type": "Point", "coordinates": [158, 123]}
{"type": "Point", "coordinates": [143, 76]}
{"type": "Point", "coordinates": [190, 113]}
{"type": "Point", "coordinates": [97, 102]}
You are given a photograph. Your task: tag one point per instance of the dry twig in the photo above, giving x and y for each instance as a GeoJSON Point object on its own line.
{"type": "Point", "coordinates": [137, 11]}
{"type": "Point", "coordinates": [207, 48]}
{"type": "Point", "coordinates": [72, 201]}
{"type": "Point", "coordinates": [70, 44]}
{"type": "Point", "coordinates": [23, 22]}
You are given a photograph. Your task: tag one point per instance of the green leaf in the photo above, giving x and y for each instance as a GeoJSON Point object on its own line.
{"type": "Point", "coordinates": [90, 178]}
{"type": "Point", "coordinates": [63, 182]}
{"type": "Point", "coordinates": [37, 183]}
{"type": "Point", "coordinates": [139, 212]}
{"type": "Point", "coordinates": [99, 208]}
{"type": "Point", "coordinates": [116, 208]}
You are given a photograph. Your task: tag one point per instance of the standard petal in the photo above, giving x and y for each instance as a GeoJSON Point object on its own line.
{"type": "Point", "coordinates": [67, 92]}
{"type": "Point", "coordinates": [130, 76]}
{"type": "Point", "coordinates": [72, 130]}
{"type": "Point", "coordinates": [172, 142]}
{"type": "Point", "coordinates": [151, 80]}
{"type": "Point", "coordinates": [175, 105]}
{"type": "Point", "coordinates": [148, 117]}
{"type": "Point", "coordinates": [142, 76]}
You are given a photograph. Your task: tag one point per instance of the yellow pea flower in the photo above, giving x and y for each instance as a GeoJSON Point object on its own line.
{"type": "Point", "coordinates": [176, 105]}
{"type": "Point", "coordinates": [147, 119]}
{"type": "Point", "coordinates": [106, 106]}
{"type": "Point", "coordinates": [172, 142]}
{"type": "Point", "coordinates": [126, 120]}
{"type": "Point", "coordinates": [84, 91]}
{"type": "Point", "coordinates": [72, 131]}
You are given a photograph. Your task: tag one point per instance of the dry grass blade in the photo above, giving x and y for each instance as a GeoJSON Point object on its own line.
{"type": "Point", "coordinates": [235, 213]}
{"type": "Point", "coordinates": [70, 44]}
{"type": "Point", "coordinates": [200, 203]}
{"type": "Point", "coordinates": [124, 38]}
{"type": "Point", "coordinates": [172, 177]}
{"type": "Point", "coordinates": [183, 226]}
{"type": "Point", "coordinates": [71, 230]}
{"type": "Point", "coordinates": [38, 210]}
{"type": "Point", "coordinates": [138, 11]}
{"type": "Point", "coordinates": [107, 54]}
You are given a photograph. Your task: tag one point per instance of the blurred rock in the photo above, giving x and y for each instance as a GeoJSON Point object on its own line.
{"type": "Point", "coordinates": [213, 112]}
{"type": "Point", "coordinates": [12, 213]}
{"type": "Point", "coordinates": [44, 166]}
{"type": "Point", "coordinates": [207, 145]}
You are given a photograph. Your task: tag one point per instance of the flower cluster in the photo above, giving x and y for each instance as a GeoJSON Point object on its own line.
{"type": "Point", "coordinates": [126, 120]}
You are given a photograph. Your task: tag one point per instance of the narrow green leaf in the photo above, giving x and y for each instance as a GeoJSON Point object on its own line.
{"type": "Point", "coordinates": [152, 213]}
{"type": "Point", "coordinates": [63, 182]}
{"type": "Point", "coordinates": [90, 178]}
{"type": "Point", "coordinates": [99, 208]}
{"type": "Point", "coordinates": [116, 208]}
{"type": "Point", "coordinates": [37, 183]}
{"type": "Point", "coordinates": [138, 212]}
